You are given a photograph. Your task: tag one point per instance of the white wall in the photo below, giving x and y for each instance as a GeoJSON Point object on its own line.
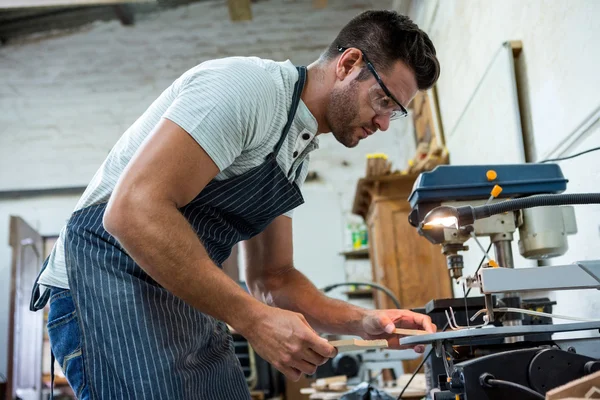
{"type": "Point", "coordinates": [65, 100]}
{"type": "Point", "coordinates": [560, 50]}
{"type": "Point", "coordinates": [560, 62]}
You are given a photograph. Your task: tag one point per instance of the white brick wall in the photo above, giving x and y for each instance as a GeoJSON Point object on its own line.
{"type": "Point", "coordinates": [65, 100]}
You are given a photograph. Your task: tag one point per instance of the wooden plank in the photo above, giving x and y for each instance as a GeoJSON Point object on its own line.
{"type": "Point", "coordinates": [9, 4]}
{"type": "Point", "coordinates": [334, 383]}
{"type": "Point", "coordinates": [239, 10]}
{"type": "Point", "coordinates": [410, 332]}
{"type": "Point", "coordinates": [517, 47]}
{"type": "Point", "coordinates": [319, 4]}
{"type": "Point", "coordinates": [331, 379]}
{"type": "Point", "coordinates": [358, 344]}
{"type": "Point", "coordinates": [576, 389]}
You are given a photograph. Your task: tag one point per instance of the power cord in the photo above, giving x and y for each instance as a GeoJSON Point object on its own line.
{"type": "Point", "coordinates": [443, 329]}
{"type": "Point", "coordinates": [371, 284]}
{"type": "Point", "coordinates": [488, 380]}
{"type": "Point", "coordinates": [571, 156]}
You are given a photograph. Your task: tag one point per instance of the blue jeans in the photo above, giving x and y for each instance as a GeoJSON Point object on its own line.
{"type": "Point", "coordinates": [65, 340]}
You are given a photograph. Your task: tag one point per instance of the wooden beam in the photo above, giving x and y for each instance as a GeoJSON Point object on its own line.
{"type": "Point", "coordinates": [125, 14]}
{"type": "Point", "coordinates": [319, 4]}
{"type": "Point", "coordinates": [239, 10]}
{"type": "Point", "coordinates": [517, 47]}
{"type": "Point", "coordinates": [9, 4]}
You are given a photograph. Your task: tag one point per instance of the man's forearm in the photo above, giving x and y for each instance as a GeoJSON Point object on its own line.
{"type": "Point", "coordinates": [161, 241]}
{"type": "Point", "coordinates": [291, 290]}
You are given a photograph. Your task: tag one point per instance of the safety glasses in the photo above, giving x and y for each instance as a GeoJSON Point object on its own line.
{"type": "Point", "coordinates": [384, 104]}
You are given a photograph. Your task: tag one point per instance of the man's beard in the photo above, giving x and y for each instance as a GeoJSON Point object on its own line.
{"type": "Point", "coordinates": [342, 112]}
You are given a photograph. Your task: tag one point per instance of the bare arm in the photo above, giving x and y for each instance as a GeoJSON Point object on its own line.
{"type": "Point", "coordinates": [143, 214]}
{"type": "Point", "coordinates": [168, 171]}
{"type": "Point", "coordinates": [272, 278]}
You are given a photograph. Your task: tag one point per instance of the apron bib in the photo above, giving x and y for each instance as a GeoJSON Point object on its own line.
{"type": "Point", "coordinates": [139, 340]}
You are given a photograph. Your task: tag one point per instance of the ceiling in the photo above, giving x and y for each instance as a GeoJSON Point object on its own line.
{"type": "Point", "coordinates": [16, 23]}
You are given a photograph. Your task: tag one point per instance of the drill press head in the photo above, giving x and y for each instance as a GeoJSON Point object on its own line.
{"type": "Point", "coordinates": [439, 195]}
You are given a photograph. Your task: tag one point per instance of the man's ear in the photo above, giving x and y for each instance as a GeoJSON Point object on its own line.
{"type": "Point", "coordinates": [349, 62]}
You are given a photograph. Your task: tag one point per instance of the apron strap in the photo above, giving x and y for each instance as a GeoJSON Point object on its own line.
{"type": "Point", "coordinates": [38, 299]}
{"type": "Point", "coordinates": [298, 87]}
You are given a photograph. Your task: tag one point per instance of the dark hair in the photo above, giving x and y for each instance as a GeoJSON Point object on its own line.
{"type": "Point", "coordinates": [386, 37]}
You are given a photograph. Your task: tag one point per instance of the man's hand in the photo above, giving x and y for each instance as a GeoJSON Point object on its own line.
{"type": "Point", "coordinates": [286, 341]}
{"type": "Point", "coordinates": [380, 324]}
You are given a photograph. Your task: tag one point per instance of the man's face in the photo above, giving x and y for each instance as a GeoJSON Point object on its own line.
{"type": "Point", "coordinates": [351, 115]}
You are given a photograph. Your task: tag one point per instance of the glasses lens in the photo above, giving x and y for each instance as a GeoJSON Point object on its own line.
{"type": "Point", "coordinates": [384, 105]}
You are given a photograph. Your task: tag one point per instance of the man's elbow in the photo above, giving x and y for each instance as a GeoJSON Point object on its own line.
{"type": "Point", "coordinates": [119, 216]}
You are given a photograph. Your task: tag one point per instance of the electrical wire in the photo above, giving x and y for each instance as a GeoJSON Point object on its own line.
{"type": "Point", "coordinates": [371, 284]}
{"type": "Point", "coordinates": [542, 200]}
{"type": "Point", "coordinates": [507, 384]}
{"type": "Point", "coordinates": [571, 156]}
{"type": "Point", "coordinates": [443, 329]}
{"type": "Point", "coordinates": [417, 370]}
{"type": "Point", "coordinates": [531, 312]}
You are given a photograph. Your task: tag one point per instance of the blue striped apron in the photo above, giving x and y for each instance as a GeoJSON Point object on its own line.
{"type": "Point", "coordinates": [139, 340]}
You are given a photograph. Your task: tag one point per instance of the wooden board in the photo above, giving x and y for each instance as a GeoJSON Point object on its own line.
{"type": "Point", "coordinates": [409, 332]}
{"type": "Point", "coordinates": [576, 389]}
{"type": "Point", "coordinates": [358, 344]}
{"type": "Point", "coordinates": [331, 379]}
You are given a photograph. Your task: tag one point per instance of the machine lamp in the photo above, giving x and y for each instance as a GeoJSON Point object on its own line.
{"type": "Point", "coordinates": [448, 217]}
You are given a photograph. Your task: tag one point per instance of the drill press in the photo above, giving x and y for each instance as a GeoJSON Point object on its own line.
{"type": "Point", "coordinates": [453, 204]}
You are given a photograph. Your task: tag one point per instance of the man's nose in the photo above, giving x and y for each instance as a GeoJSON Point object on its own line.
{"type": "Point", "coordinates": [382, 122]}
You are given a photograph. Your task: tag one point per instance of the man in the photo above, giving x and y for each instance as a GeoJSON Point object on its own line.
{"type": "Point", "coordinates": [138, 303]}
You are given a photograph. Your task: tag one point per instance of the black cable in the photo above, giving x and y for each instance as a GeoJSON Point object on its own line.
{"type": "Point", "coordinates": [542, 200]}
{"type": "Point", "coordinates": [443, 329]}
{"type": "Point", "coordinates": [418, 369]}
{"type": "Point", "coordinates": [371, 284]}
{"type": "Point", "coordinates": [569, 157]}
{"type": "Point", "coordinates": [507, 384]}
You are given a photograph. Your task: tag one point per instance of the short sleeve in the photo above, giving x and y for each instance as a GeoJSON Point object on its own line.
{"type": "Point", "coordinates": [224, 106]}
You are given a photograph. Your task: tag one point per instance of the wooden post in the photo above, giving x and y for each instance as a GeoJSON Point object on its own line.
{"type": "Point", "coordinates": [239, 10]}
{"type": "Point", "coordinates": [319, 3]}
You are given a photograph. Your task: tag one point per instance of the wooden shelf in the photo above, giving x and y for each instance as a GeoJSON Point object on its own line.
{"type": "Point", "coordinates": [373, 189]}
{"type": "Point", "coordinates": [356, 254]}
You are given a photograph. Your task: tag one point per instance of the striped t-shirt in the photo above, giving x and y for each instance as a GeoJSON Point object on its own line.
{"type": "Point", "coordinates": [235, 108]}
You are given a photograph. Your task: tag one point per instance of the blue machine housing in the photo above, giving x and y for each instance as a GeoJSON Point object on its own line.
{"type": "Point", "coordinates": [469, 182]}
